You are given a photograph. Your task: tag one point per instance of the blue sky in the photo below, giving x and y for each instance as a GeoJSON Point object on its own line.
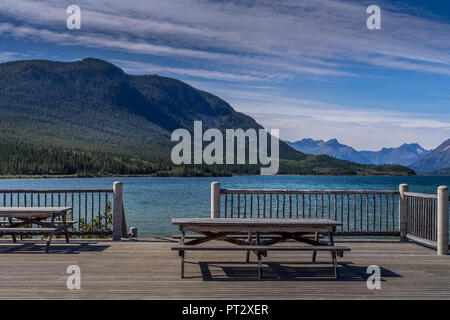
{"type": "Point", "coordinates": [310, 68]}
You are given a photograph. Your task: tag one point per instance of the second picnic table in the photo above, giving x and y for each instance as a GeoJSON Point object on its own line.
{"type": "Point", "coordinates": [18, 218]}
{"type": "Point", "coordinates": [275, 230]}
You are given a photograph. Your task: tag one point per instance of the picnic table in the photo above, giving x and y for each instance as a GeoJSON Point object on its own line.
{"type": "Point", "coordinates": [275, 231]}
{"type": "Point", "coordinates": [20, 220]}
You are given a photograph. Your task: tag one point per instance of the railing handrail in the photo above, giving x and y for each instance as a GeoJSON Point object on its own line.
{"type": "Point", "coordinates": [295, 191]}
{"type": "Point", "coordinates": [57, 191]}
{"type": "Point", "coordinates": [420, 195]}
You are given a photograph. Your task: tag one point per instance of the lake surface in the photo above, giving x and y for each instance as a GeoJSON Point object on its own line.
{"type": "Point", "coordinates": [151, 203]}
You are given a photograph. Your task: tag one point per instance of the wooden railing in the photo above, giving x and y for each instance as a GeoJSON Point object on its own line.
{"type": "Point", "coordinates": [367, 212]}
{"type": "Point", "coordinates": [421, 217]}
{"type": "Point", "coordinates": [427, 218]}
{"type": "Point", "coordinates": [95, 211]}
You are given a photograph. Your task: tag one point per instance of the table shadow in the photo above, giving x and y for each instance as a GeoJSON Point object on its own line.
{"type": "Point", "coordinates": [288, 271]}
{"type": "Point", "coordinates": [34, 248]}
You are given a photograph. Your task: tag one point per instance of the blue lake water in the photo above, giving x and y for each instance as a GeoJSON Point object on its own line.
{"type": "Point", "coordinates": [151, 203]}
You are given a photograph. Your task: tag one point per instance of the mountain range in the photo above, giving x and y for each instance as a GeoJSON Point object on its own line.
{"type": "Point", "coordinates": [406, 154]}
{"type": "Point", "coordinates": [89, 117]}
{"type": "Point", "coordinates": [411, 155]}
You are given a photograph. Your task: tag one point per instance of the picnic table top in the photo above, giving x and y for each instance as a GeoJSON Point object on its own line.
{"type": "Point", "coordinates": [26, 212]}
{"type": "Point", "coordinates": [254, 222]}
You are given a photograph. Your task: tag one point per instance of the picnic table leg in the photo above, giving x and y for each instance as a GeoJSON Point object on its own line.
{"type": "Point", "coordinates": [64, 218]}
{"type": "Point", "coordinates": [333, 256]}
{"type": "Point", "coordinates": [181, 252]}
{"type": "Point", "coordinates": [258, 242]}
{"type": "Point", "coordinates": [248, 251]}
{"type": "Point", "coordinates": [13, 235]}
{"type": "Point", "coordinates": [260, 274]}
{"type": "Point", "coordinates": [52, 224]}
{"type": "Point", "coordinates": [314, 254]}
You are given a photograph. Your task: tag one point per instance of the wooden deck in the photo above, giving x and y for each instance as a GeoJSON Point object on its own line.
{"type": "Point", "coordinates": [148, 269]}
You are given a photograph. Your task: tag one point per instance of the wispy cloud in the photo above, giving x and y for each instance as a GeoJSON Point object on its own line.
{"type": "Point", "coordinates": [145, 68]}
{"type": "Point", "coordinates": [6, 56]}
{"type": "Point", "coordinates": [388, 62]}
{"type": "Point", "coordinates": [318, 37]}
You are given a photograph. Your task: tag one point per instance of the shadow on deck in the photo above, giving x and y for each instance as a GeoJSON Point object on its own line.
{"type": "Point", "coordinates": [287, 271]}
{"type": "Point", "coordinates": [70, 248]}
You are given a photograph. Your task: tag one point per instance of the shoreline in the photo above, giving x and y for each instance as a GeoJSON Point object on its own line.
{"type": "Point", "coordinates": [24, 177]}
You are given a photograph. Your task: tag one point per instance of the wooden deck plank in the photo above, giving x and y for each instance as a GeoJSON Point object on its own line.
{"type": "Point", "coordinates": [149, 269]}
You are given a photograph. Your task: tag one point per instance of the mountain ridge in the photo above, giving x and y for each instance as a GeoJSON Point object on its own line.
{"type": "Point", "coordinates": [438, 159]}
{"type": "Point", "coordinates": [405, 154]}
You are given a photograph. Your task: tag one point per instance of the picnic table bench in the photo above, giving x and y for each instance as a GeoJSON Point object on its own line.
{"type": "Point", "coordinates": [20, 220]}
{"type": "Point", "coordinates": [275, 231]}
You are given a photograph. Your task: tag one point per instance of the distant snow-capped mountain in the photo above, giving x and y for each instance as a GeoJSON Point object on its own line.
{"type": "Point", "coordinates": [405, 155]}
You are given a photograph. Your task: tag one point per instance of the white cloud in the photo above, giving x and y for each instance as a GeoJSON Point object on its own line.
{"type": "Point", "coordinates": [6, 56]}
{"type": "Point", "coordinates": [145, 68]}
{"type": "Point", "coordinates": [303, 37]}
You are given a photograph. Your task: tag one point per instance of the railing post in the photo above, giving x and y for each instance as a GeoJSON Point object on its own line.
{"type": "Point", "coordinates": [403, 210]}
{"type": "Point", "coordinates": [442, 220]}
{"type": "Point", "coordinates": [215, 200]}
{"type": "Point", "coordinates": [117, 211]}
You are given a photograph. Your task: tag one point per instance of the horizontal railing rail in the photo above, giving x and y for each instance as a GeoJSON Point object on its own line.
{"type": "Point", "coordinates": [286, 191]}
{"type": "Point", "coordinates": [35, 191]}
{"type": "Point", "coordinates": [420, 195]}
{"type": "Point", "coordinates": [361, 212]}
